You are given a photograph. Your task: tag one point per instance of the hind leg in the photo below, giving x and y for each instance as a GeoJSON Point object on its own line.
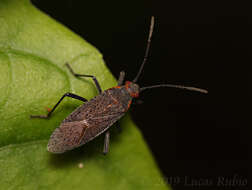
{"type": "Point", "coordinates": [56, 105]}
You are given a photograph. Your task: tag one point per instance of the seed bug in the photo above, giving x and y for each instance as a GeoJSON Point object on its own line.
{"type": "Point", "coordinates": [95, 116]}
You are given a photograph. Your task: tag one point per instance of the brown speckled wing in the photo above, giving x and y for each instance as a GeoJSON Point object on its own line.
{"type": "Point", "coordinates": [66, 137]}
{"type": "Point", "coordinates": [101, 105]}
{"type": "Point", "coordinates": [98, 125]}
{"type": "Point", "coordinates": [74, 134]}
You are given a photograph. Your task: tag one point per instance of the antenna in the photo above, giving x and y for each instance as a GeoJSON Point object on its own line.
{"type": "Point", "coordinates": [147, 49]}
{"type": "Point", "coordinates": [160, 85]}
{"type": "Point", "coordinates": [175, 86]}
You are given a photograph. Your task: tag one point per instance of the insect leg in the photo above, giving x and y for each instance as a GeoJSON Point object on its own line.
{"type": "Point", "coordinates": [121, 78]}
{"type": "Point", "coordinates": [106, 143]}
{"type": "Point", "coordinates": [65, 95]}
{"type": "Point", "coordinates": [81, 75]}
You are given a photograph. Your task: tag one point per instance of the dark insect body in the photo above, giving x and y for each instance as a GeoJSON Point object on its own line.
{"type": "Point", "coordinates": [95, 116]}
{"type": "Point", "coordinates": [91, 119]}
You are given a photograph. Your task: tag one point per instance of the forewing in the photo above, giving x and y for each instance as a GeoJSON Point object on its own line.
{"type": "Point", "coordinates": [97, 125]}
{"type": "Point", "coordinates": [66, 137]}
{"type": "Point", "coordinates": [101, 105]}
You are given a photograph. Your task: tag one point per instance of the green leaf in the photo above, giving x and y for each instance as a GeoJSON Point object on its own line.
{"type": "Point", "coordinates": [33, 51]}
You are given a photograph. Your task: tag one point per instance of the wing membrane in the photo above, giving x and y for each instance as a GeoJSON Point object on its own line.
{"type": "Point", "coordinates": [66, 137]}
{"type": "Point", "coordinates": [97, 125]}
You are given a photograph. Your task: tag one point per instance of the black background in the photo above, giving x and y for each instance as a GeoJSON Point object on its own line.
{"type": "Point", "coordinates": [192, 136]}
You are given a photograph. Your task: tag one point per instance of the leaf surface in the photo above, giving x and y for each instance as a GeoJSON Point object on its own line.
{"type": "Point", "coordinates": [33, 51]}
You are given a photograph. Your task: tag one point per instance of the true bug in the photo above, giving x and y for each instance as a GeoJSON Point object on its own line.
{"type": "Point", "coordinates": [95, 116]}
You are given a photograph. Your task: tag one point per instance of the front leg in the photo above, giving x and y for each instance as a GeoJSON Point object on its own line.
{"type": "Point", "coordinates": [90, 76]}
{"type": "Point", "coordinates": [121, 78]}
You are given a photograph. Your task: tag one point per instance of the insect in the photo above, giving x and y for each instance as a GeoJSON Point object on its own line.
{"type": "Point", "coordinates": [95, 116]}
